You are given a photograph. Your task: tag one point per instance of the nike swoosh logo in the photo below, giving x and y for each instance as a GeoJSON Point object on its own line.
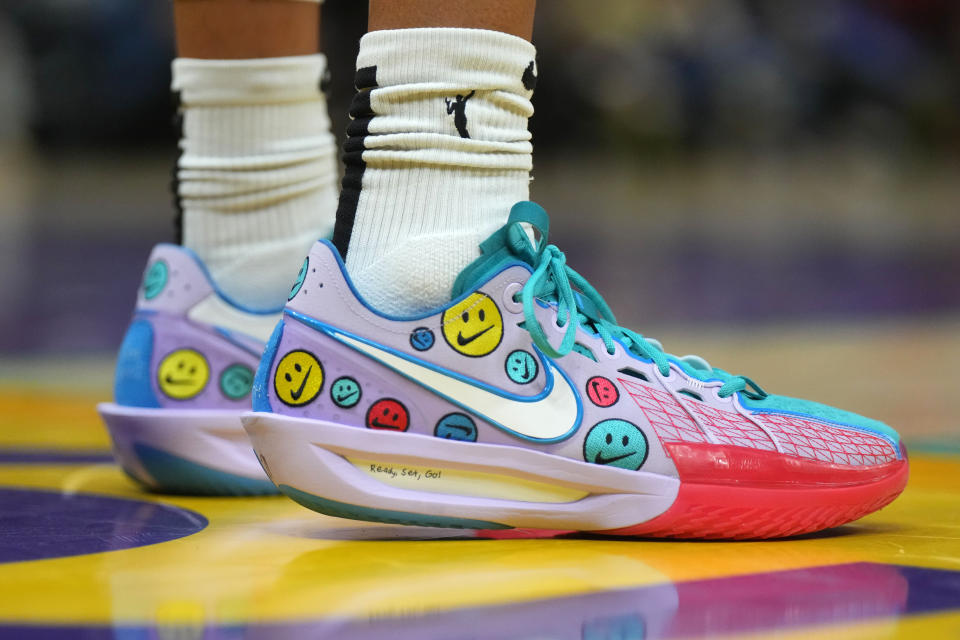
{"type": "Point", "coordinates": [599, 459]}
{"type": "Point", "coordinates": [552, 417]}
{"type": "Point", "coordinates": [459, 428]}
{"type": "Point", "coordinates": [296, 394]}
{"type": "Point", "coordinates": [465, 341]}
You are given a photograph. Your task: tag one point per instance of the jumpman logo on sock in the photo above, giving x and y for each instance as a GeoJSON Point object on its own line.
{"type": "Point", "coordinates": [457, 108]}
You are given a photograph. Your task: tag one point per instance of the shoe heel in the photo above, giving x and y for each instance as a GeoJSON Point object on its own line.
{"type": "Point", "coordinates": [192, 452]}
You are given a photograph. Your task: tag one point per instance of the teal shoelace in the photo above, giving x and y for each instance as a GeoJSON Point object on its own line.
{"type": "Point", "coordinates": [580, 305]}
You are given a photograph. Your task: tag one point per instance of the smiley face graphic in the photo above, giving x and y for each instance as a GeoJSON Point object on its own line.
{"type": "Point", "coordinates": [236, 381]}
{"type": "Point", "coordinates": [474, 327]}
{"type": "Point", "coordinates": [521, 366]}
{"type": "Point", "coordinates": [301, 276]}
{"type": "Point", "coordinates": [388, 414]}
{"type": "Point", "coordinates": [345, 392]}
{"type": "Point", "coordinates": [602, 392]}
{"type": "Point", "coordinates": [155, 279]}
{"type": "Point", "coordinates": [298, 378]}
{"type": "Point", "coordinates": [616, 443]}
{"type": "Point", "coordinates": [183, 374]}
{"type": "Point", "coordinates": [421, 338]}
{"type": "Point", "coordinates": [456, 426]}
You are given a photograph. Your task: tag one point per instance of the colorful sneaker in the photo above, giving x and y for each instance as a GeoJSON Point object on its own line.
{"type": "Point", "coordinates": [523, 404]}
{"type": "Point", "coordinates": [183, 380]}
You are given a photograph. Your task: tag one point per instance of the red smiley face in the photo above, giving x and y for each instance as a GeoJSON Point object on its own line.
{"type": "Point", "coordinates": [388, 414]}
{"type": "Point", "coordinates": [602, 392]}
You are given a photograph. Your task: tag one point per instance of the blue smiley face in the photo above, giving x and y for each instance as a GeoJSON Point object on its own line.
{"type": "Point", "coordinates": [521, 366]}
{"type": "Point", "coordinates": [422, 338]}
{"type": "Point", "coordinates": [155, 279]}
{"type": "Point", "coordinates": [345, 392]}
{"type": "Point", "coordinates": [456, 426]}
{"type": "Point", "coordinates": [301, 276]}
{"type": "Point", "coordinates": [616, 443]}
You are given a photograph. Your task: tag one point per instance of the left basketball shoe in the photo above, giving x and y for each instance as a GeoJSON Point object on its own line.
{"type": "Point", "coordinates": [522, 403]}
{"type": "Point", "coordinates": [183, 378]}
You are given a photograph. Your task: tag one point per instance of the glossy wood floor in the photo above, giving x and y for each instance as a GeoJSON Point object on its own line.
{"type": "Point", "coordinates": [85, 553]}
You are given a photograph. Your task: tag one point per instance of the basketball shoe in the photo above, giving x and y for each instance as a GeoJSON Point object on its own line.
{"type": "Point", "coordinates": [523, 403]}
{"type": "Point", "coordinates": [183, 379]}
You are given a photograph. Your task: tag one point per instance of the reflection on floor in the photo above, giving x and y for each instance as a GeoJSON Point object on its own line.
{"type": "Point", "coordinates": [84, 552]}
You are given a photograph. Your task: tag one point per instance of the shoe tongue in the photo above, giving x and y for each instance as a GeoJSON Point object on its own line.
{"type": "Point", "coordinates": [507, 245]}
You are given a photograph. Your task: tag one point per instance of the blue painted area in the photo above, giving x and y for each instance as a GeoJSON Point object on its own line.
{"type": "Point", "coordinates": [38, 524]}
{"type": "Point", "coordinates": [261, 381]}
{"type": "Point", "coordinates": [750, 604]}
{"type": "Point", "coordinates": [355, 512]}
{"type": "Point", "coordinates": [173, 474]}
{"type": "Point", "coordinates": [132, 380]}
{"type": "Point", "coordinates": [53, 456]}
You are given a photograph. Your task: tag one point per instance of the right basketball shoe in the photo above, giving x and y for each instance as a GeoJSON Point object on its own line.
{"type": "Point", "coordinates": [183, 379]}
{"type": "Point", "coordinates": [522, 403]}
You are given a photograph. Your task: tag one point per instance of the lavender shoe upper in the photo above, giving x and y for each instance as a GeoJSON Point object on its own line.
{"type": "Point", "coordinates": [188, 346]}
{"type": "Point", "coordinates": [471, 372]}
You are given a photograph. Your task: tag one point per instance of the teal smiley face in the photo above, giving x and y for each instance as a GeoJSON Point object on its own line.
{"type": "Point", "coordinates": [345, 392]}
{"type": "Point", "coordinates": [236, 381]}
{"type": "Point", "coordinates": [616, 443]}
{"type": "Point", "coordinates": [155, 279]}
{"type": "Point", "coordinates": [301, 276]}
{"type": "Point", "coordinates": [521, 366]}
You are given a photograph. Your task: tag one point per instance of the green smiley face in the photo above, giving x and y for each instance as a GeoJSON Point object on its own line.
{"type": "Point", "coordinates": [616, 443]}
{"type": "Point", "coordinates": [155, 279]}
{"type": "Point", "coordinates": [345, 392]}
{"type": "Point", "coordinates": [236, 381]}
{"type": "Point", "coordinates": [301, 276]}
{"type": "Point", "coordinates": [521, 366]}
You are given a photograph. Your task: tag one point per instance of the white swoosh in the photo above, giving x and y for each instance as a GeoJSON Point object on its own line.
{"type": "Point", "coordinates": [213, 310]}
{"type": "Point", "coordinates": [551, 418]}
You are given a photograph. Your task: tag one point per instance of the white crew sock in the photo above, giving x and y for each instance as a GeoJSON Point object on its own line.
{"type": "Point", "coordinates": [418, 195]}
{"type": "Point", "coordinates": [257, 174]}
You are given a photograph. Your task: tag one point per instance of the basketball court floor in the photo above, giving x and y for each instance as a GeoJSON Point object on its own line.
{"type": "Point", "coordinates": [85, 553]}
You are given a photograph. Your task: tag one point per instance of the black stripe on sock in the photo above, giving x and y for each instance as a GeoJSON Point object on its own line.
{"type": "Point", "coordinates": [175, 174]}
{"type": "Point", "coordinates": [361, 114]}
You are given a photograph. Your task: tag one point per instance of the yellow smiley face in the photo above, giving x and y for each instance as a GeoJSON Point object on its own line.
{"type": "Point", "coordinates": [473, 327]}
{"type": "Point", "coordinates": [183, 374]}
{"type": "Point", "coordinates": [298, 378]}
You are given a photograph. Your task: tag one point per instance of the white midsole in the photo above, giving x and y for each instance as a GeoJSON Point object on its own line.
{"type": "Point", "coordinates": [314, 456]}
{"type": "Point", "coordinates": [213, 438]}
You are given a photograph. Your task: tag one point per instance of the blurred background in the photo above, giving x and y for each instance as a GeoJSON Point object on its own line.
{"type": "Point", "coordinates": [772, 184]}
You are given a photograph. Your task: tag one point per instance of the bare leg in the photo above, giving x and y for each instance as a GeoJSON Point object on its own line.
{"type": "Point", "coordinates": [237, 29]}
{"type": "Point", "coordinates": [509, 16]}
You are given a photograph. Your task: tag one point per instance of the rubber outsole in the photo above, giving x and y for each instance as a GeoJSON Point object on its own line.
{"type": "Point", "coordinates": [175, 475]}
{"type": "Point", "coordinates": [715, 512]}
